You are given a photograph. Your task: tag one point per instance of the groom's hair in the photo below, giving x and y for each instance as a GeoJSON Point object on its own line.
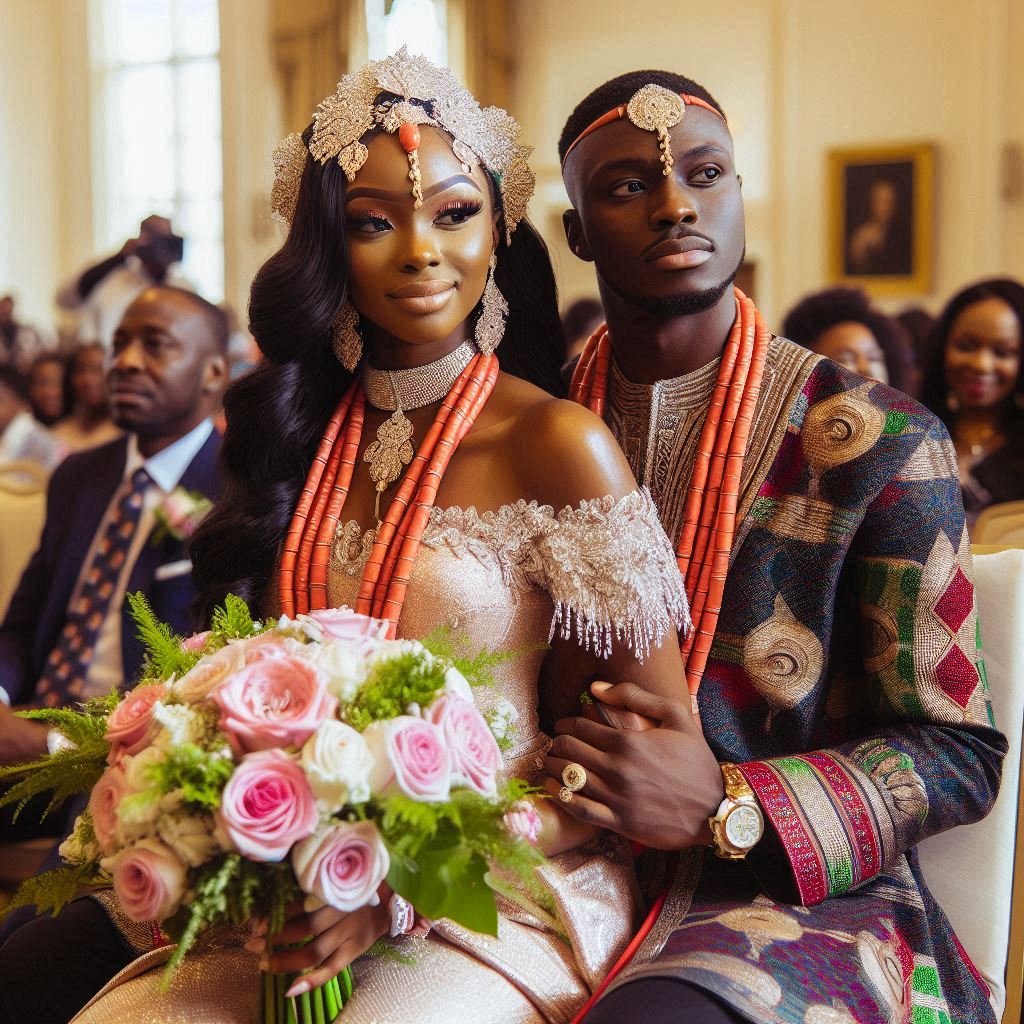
{"type": "Point", "coordinates": [620, 90]}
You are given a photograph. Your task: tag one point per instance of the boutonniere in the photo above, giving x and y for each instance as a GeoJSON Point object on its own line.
{"type": "Point", "coordinates": [179, 514]}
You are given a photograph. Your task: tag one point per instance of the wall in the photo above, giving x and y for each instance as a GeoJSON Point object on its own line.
{"type": "Point", "coordinates": [797, 77]}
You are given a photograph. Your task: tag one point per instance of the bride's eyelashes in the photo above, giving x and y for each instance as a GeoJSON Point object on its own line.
{"type": "Point", "coordinates": [451, 214]}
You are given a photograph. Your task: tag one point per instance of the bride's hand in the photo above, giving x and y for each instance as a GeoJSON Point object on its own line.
{"type": "Point", "coordinates": [336, 939]}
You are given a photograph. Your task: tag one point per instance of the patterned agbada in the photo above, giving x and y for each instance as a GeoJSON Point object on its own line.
{"type": "Point", "coordinates": [846, 680]}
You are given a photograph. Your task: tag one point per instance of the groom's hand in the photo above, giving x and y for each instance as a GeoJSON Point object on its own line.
{"type": "Point", "coordinates": [657, 786]}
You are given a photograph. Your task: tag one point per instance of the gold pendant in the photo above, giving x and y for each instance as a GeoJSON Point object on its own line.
{"type": "Point", "coordinates": [389, 454]}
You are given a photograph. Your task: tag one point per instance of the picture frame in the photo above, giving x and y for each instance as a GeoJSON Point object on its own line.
{"type": "Point", "coordinates": [882, 218]}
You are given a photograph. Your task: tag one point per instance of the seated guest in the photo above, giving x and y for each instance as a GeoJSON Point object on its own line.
{"type": "Point", "coordinates": [85, 388]}
{"type": "Point", "coordinates": [579, 322]}
{"type": "Point", "coordinates": [973, 382]}
{"type": "Point", "coordinates": [46, 388]}
{"type": "Point", "coordinates": [19, 343]}
{"type": "Point", "coordinates": [841, 324]}
{"type": "Point", "coordinates": [21, 436]}
{"type": "Point", "coordinates": [917, 324]}
{"type": "Point", "coordinates": [66, 635]}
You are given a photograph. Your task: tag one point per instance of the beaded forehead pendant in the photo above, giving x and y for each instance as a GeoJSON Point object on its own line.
{"type": "Point", "coordinates": [398, 95]}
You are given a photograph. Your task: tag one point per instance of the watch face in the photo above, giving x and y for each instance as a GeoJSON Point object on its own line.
{"type": "Point", "coordinates": [743, 827]}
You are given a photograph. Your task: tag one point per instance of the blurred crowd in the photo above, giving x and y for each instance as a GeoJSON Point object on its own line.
{"type": "Point", "coordinates": [965, 365]}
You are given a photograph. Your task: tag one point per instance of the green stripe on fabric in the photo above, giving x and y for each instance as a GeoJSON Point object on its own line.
{"type": "Point", "coordinates": [925, 1015]}
{"type": "Point", "coordinates": [895, 423]}
{"type": "Point", "coordinates": [926, 980]}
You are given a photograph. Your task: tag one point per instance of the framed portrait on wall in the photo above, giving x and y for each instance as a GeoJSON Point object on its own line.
{"type": "Point", "coordinates": [881, 218]}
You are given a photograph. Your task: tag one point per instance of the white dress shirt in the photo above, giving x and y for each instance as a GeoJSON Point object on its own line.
{"type": "Point", "coordinates": [165, 469]}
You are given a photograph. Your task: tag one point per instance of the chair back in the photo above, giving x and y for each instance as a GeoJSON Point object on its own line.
{"type": "Point", "coordinates": [1000, 524]}
{"type": "Point", "coordinates": [22, 511]}
{"type": "Point", "coordinates": [976, 872]}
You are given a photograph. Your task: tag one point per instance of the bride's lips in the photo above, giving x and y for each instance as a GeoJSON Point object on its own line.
{"type": "Point", "coordinates": [422, 297]}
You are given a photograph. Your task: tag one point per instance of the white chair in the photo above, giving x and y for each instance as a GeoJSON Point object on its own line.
{"type": "Point", "coordinates": [1000, 524]}
{"type": "Point", "coordinates": [22, 511]}
{"type": "Point", "coordinates": [976, 872]}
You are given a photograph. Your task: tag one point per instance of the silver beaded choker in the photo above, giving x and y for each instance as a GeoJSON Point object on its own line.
{"type": "Point", "coordinates": [392, 390]}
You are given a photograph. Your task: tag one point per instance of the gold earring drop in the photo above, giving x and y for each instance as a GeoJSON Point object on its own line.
{"type": "Point", "coordinates": [348, 344]}
{"type": "Point", "coordinates": [490, 327]}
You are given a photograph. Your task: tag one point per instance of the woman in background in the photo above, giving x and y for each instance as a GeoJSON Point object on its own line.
{"type": "Point", "coordinates": [973, 383]}
{"type": "Point", "coordinates": [85, 388]}
{"type": "Point", "coordinates": [841, 324]}
{"type": "Point", "coordinates": [46, 388]}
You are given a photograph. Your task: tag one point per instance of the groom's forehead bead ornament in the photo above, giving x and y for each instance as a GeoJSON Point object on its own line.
{"type": "Point", "coordinates": [654, 109]}
{"type": "Point", "coordinates": [399, 95]}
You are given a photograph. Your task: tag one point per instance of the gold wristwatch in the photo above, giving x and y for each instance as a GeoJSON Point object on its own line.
{"type": "Point", "coordinates": [739, 824]}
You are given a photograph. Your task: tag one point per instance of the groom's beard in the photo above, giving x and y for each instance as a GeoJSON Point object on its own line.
{"type": "Point", "coordinates": [686, 304]}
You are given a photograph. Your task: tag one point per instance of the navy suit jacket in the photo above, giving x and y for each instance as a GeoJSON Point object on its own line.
{"type": "Point", "coordinates": [79, 493]}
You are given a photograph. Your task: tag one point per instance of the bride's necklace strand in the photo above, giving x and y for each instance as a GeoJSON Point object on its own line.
{"type": "Point", "coordinates": [302, 579]}
{"type": "Point", "coordinates": [395, 391]}
{"type": "Point", "coordinates": [709, 520]}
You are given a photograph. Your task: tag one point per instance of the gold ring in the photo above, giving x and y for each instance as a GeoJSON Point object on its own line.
{"type": "Point", "coordinates": [565, 795]}
{"type": "Point", "coordinates": [574, 776]}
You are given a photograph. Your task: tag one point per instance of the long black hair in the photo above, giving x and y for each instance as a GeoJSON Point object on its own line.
{"type": "Point", "coordinates": [276, 414]}
{"type": "Point", "coordinates": [934, 389]}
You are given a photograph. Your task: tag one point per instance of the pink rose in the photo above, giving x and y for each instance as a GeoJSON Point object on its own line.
{"type": "Point", "coordinates": [149, 880]}
{"type": "Point", "coordinates": [178, 509]}
{"type": "Point", "coordinates": [273, 702]}
{"type": "Point", "coordinates": [409, 755]}
{"type": "Point", "coordinates": [196, 643]}
{"type": "Point", "coordinates": [207, 674]}
{"type": "Point", "coordinates": [476, 759]}
{"type": "Point", "coordinates": [345, 624]}
{"type": "Point", "coordinates": [523, 821]}
{"type": "Point", "coordinates": [343, 864]}
{"type": "Point", "coordinates": [267, 806]}
{"type": "Point", "coordinates": [130, 725]}
{"type": "Point", "coordinates": [104, 800]}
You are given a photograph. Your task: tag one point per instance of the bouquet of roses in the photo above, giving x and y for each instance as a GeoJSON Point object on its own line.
{"type": "Point", "coordinates": [260, 764]}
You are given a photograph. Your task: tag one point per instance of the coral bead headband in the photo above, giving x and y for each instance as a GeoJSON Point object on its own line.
{"type": "Point", "coordinates": [654, 109]}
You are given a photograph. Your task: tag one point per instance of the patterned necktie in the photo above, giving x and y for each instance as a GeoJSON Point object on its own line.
{"type": "Point", "coordinates": [63, 677]}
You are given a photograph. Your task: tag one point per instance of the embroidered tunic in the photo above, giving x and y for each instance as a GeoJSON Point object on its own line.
{"type": "Point", "coordinates": [846, 680]}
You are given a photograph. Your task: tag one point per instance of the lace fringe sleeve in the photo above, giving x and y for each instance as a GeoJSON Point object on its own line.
{"type": "Point", "coordinates": [612, 574]}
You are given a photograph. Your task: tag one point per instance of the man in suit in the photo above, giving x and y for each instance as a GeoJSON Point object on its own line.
{"type": "Point", "coordinates": [67, 634]}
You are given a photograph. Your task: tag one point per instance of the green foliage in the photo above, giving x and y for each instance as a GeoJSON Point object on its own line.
{"type": "Point", "coordinates": [232, 620]}
{"type": "Point", "coordinates": [164, 656]}
{"type": "Point", "coordinates": [68, 771]}
{"type": "Point", "coordinates": [51, 891]}
{"type": "Point", "coordinates": [200, 776]}
{"type": "Point", "coordinates": [232, 890]}
{"type": "Point", "coordinates": [394, 684]}
{"type": "Point", "coordinates": [478, 668]}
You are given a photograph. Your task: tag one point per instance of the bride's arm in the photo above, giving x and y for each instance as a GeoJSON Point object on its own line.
{"type": "Point", "coordinates": [613, 575]}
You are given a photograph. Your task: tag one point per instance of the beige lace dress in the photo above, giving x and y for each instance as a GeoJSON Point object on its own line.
{"type": "Point", "coordinates": [604, 573]}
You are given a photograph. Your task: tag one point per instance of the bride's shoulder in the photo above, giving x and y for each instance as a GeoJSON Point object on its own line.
{"type": "Point", "coordinates": [564, 454]}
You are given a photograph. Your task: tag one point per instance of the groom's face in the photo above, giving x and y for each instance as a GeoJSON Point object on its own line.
{"type": "Point", "coordinates": [657, 240]}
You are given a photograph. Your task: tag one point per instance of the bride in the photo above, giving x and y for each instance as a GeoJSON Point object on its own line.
{"type": "Point", "coordinates": [379, 459]}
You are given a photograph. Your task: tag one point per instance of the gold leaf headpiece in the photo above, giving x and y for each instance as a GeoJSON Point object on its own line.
{"type": "Point", "coordinates": [403, 89]}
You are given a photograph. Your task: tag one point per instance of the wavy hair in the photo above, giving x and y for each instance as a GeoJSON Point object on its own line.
{"type": "Point", "coordinates": [276, 414]}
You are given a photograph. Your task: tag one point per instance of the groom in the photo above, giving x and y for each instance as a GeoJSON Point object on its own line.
{"type": "Point", "coordinates": [844, 694]}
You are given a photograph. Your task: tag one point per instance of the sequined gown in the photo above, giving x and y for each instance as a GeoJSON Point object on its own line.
{"type": "Point", "coordinates": [503, 579]}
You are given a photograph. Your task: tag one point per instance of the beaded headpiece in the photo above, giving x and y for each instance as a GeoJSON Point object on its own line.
{"type": "Point", "coordinates": [398, 94]}
{"type": "Point", "coordinates": [654, 109]}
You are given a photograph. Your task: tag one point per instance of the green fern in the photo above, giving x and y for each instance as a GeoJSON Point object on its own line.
{"type": "Point", "coordinates": [164, 655]}
{"type": "Point", "coordinates": [81, 727]}
{"type": "Point", "coordinates": [62, 775]}
{"type": "Point", "coordinates": [232, 620]}
{"type": "Point", "coordinates": [53, 890]}
{"type": "Point", "coordinates": [478, 669]}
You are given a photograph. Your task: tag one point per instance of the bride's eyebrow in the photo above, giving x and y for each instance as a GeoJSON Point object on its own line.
{"type": "Point", "coordinates": [397, 197]}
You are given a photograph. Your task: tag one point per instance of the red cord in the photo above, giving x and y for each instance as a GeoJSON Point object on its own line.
{"type": "Point", "coordinates": [628, 953]}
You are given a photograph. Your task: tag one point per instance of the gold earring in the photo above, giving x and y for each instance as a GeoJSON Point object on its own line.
{"type": "Point", "coordinates": [490, 327]}
{"type": "Point", "coordinates": [348, 344]}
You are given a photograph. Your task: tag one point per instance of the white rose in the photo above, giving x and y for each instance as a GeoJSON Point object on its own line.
{"type": "Point", "coordinates": [191, 837]}
{"type": "Point", "coordinates": [455, 684]}
{"type": "Point", "coordinates": [342, 665]}
{"type": "Point", "coordinates": [337, 764]}
{"type": "Point", "coordinates": [75, 849]}
{"type": "Point", "coordinates": [501, 719]}
{"type": "Point", "coordinates": [182, 724]}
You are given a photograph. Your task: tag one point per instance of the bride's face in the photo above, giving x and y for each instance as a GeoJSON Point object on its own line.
{"type": "Point", "coordinates": [418, 274]}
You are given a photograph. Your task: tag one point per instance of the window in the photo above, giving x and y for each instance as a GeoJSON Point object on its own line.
{"type": "Point", "coordinates": [158, 127]}
{"type": "Point", "coordinates": [419, 24]}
